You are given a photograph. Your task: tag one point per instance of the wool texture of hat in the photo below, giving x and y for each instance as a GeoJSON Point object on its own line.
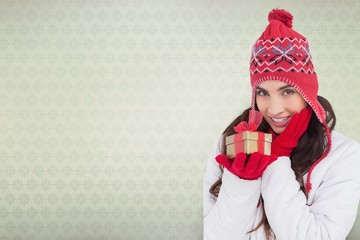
{"type": "Point", "coordinates": [283, 54]}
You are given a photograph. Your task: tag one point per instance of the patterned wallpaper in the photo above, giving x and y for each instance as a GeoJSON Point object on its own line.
{"type": "Point", "coordinates": [109, 109]}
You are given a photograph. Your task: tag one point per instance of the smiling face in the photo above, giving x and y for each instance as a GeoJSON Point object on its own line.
{"type": "Point", "coordinates": [278, 101]}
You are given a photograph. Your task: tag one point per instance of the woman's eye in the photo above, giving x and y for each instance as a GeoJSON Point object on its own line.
{"type": "Point", "coordinates": [288, 92]}
{"type": "Point", "coordinates": [261, 93]}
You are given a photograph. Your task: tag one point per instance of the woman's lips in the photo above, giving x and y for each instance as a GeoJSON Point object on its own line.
{"type": "Point", "coordinates": [279, 121]}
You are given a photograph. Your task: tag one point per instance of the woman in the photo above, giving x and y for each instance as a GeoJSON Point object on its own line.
{"type": "Point", "coordinates": [309, 187]}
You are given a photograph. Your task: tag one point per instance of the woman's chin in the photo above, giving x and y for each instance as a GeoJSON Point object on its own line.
{"type": "Point", "coordinates": [277, 130]}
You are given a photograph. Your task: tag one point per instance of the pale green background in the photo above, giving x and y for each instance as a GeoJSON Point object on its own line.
{"type": "Point", "coordinates": [109, 109]}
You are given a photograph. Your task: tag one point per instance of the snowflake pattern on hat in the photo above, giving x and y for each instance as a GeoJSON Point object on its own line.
{"type": "Point", "coordinates": [281, 54]}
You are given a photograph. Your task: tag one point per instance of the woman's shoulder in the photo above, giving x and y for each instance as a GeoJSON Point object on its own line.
{"type": "Point", "coordinates": [344, 149]}
{"type": "Point", "coordinates": [341, 142]}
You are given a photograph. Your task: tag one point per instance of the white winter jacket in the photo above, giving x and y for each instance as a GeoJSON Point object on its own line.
{"type": "Point", "coordinates": [328, 213]}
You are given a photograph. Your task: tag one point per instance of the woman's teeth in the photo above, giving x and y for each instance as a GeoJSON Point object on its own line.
{"type": "Point", "coordinates": [279, 119]}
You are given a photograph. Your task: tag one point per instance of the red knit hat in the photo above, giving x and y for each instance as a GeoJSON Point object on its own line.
{"type": "Point", "coordinates": [281, 53]}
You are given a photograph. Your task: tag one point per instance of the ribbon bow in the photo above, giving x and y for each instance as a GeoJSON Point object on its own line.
{"type": "Point", "coordinates": [255, 118]}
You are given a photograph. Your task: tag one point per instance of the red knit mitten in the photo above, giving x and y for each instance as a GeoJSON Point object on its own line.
{"type": "Point", "coordinates": [249, 168]}
{"type": "Point", "coordinates": [284, 144]}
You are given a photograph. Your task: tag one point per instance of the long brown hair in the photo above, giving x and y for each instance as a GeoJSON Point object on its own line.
{"type": "Point", "coordinates": [311, 146]}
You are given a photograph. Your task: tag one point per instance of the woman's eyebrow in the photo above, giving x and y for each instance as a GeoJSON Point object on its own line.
{"type": "Point", "coordinates": [261, 89]}
{"type": "Point", "coordinates": [280, 89]}
{"type": "Point", "coordinates": [284, 87]}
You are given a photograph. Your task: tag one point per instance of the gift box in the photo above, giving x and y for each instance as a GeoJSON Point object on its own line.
{"type": "Point", "coordinates": [248, 142]}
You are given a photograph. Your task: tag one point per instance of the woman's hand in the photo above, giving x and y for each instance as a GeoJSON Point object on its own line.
{"type": "Point", "coordinates": [284, 144]}
{"type": "Point", "coordinates": [245, 167]}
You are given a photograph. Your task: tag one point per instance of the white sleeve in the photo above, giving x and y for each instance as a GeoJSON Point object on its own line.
{"type": "Point", "coordinates": [332, 213]}
{"type": "Point", "coordinates": [233, 214]}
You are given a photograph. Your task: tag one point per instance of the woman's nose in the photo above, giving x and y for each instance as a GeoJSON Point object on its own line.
{"type": "Point", "coordinates": [275, 107]}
